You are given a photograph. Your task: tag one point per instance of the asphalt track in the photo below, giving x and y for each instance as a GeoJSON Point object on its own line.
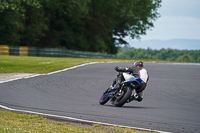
{"type": "Point", "coordinates": [171, 102]}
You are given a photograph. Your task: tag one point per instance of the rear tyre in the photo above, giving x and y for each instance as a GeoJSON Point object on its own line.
{"type": "Point", "coordinates": [119, 102]}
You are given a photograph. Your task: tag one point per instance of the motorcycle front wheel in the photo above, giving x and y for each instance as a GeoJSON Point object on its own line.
{"type": "Point", "coordinates": [119, 102]}
{"type": "Point", "coordinates": [104, 98]}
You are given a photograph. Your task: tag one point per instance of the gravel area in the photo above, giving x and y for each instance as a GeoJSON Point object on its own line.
{"type": "Point", "coordinates": [8, 76]}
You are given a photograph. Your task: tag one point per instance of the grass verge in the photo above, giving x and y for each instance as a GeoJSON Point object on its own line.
{"type": "Point", "coordinates": [27, 64]}
{"type": "Point", "coordinates": [11, 122]}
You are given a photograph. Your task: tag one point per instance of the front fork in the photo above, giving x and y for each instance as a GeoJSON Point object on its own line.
{"type": "Point", "coordinates": [113, 94]}
{"type": "Point", "coordinates": [116, 93]}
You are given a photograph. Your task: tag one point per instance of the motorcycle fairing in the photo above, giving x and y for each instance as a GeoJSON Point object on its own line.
{"type": "Point", "coordinates": [130, 79]}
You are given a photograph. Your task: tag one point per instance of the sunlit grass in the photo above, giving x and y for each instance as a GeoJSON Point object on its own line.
{"type": "Point", "coordinates": [126, 130]}
{"type": "Point", "coordinates": [23, 123]}
{"type": "Point", "coordinates": [27, 64]}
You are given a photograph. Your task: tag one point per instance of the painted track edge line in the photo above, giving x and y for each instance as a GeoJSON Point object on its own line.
{"type": "Point", "coordinates": [73, 67]}
{"type": "Point", "coordinates": [79, 120]}
{"type": "Point", "coordinates": [35, 75]}
{"type": "Point", "coordinates": [71, 118]}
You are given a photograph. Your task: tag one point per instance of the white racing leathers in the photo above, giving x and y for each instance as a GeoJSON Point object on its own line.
{"type": "Point", "coordinates": [140, 72]}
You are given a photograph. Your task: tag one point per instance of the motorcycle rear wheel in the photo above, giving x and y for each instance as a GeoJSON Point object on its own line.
{"type": "Point", "coordinates": [119, 102]}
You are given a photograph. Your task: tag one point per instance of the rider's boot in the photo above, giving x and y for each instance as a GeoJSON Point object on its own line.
{"type": "Point", "coordinates": [134, 97]}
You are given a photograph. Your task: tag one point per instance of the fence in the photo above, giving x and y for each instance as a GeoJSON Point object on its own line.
{"type": "Point", "coordinates": [49, 52]}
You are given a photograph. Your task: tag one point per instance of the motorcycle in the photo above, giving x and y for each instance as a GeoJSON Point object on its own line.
{"type": "Point", "coordinates": [120, 97]}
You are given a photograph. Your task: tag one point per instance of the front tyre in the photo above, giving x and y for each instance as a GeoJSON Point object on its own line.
{"type": "Point", "coordinates": [104, 98]}
{"type": "Point", "coordinates": [119, 102]}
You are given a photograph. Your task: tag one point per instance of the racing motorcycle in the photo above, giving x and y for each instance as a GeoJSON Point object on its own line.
{"type": "Point", "coordinates": [120, 97]}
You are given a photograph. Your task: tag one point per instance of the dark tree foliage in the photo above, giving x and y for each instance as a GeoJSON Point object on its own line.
{"type": "Point", "coordinates": [86, 25]}
{"type": "Point", "coordinates": [166, 54]}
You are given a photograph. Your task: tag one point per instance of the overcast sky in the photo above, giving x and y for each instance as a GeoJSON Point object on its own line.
{"type": "Point", "coordinates": [180, 19]}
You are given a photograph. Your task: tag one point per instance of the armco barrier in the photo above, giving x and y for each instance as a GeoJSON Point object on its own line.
{"type": "Point", "coordinates": [13, 50]}
{"type": "Point", "coordinates": [49, 52]}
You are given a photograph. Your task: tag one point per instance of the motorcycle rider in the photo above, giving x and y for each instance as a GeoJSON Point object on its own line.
{"type": "Point", "coordinates": [137, 71]}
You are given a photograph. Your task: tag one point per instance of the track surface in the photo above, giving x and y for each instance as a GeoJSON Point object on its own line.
{"type": "Point", "coordinates": [171, 102]}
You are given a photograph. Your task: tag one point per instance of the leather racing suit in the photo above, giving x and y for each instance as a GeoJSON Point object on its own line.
{"type": "Point", "coordinates": [136, 71]}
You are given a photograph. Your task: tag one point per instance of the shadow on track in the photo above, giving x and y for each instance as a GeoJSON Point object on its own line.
{"type": "Point", "coordinates": [131, 107]}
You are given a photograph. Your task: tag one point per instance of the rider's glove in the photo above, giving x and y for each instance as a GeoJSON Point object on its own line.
{"type": "Point", "coordinates": [116, 68]}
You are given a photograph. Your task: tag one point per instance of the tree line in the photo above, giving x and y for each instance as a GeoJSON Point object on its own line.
{"type": "Point", "coordinates": [86, 25]}
{"type": "Point", "coordinates": [165, 54]}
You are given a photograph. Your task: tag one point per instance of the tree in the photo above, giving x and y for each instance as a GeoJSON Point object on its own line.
{"type": "Point", "coordinates": [21, 23]}
{"type": "Point", "coordinates": [136, 17]}
{"type": "Point", "coordinates": [86, 25]}
{"type": "Point", "coordinates": [65, 20]}
{"type": "Point", "coordinates": [167, 54]}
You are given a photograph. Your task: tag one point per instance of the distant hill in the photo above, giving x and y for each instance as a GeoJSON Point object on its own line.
{"type": "Point", "coordinates": [180, 44]}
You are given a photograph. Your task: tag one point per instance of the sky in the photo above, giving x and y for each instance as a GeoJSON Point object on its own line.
{"type": "Point", "coordinates": [180, 19]}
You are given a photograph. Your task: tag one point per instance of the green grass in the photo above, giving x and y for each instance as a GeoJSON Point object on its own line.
{"type": "Point", "coordinates": [11, 122]}
{"type": "Point", "coordinates": [19, 123]}
{"type": "Point", "coordinates": [27, 64]}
